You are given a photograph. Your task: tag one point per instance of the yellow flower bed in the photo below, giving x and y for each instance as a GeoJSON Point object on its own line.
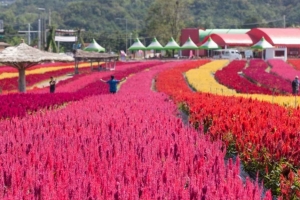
{"type": "Point", "coordinates": [41, 70]}
{"type": "Point", "coordinates": [202, 80]}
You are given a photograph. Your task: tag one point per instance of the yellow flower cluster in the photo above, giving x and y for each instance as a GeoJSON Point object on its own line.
{"type": "Point", "coordinates": [202, 80]}
{"type": "Point", "coordinates": [42, 70]}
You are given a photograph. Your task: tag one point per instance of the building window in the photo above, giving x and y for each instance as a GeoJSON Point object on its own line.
{"type": "Point", "coordinates": [294, 51]}
{"type": "Point", "coordinates": [279, 53]}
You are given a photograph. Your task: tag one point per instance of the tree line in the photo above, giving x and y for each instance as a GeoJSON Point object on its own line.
{"type": "Point", "coordinates": [114, 22]}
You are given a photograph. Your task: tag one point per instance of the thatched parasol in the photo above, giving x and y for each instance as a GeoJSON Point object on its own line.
{"type": "Point", "coordinates": [23, 57]}
{"type": "Point", "coordinates": [4, 45]}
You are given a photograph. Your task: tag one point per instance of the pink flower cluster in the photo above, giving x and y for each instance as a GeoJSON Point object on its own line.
{"type": "Point", "coordinates": [282, 69]}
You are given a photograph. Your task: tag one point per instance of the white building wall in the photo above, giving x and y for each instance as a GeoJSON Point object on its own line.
{"type": "Point", "coordinates": [270, 53]}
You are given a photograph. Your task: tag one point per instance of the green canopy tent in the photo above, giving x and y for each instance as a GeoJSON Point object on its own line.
{"type": "Point", "coordinates": [137, 45]}
{"type": "Point", "coordinates": [172, 45]}
{"type": "Point", "coordinates": [94, 46]}
{"type": "Point", "coordinates": [190, 45]}
{"type": "Point", "coordinates": [261, 45]}
{"type": "Point", "coordinates": [155, 45]}
{"type": "Point", "coordinates": [209, 45]}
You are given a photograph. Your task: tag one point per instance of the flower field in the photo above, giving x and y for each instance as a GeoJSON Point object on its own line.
{"type": "Point", "coordinates": [129, 145]}
{"type": "Point", "coordinates": [202, 79]}
{"type": "Point", "coordinates": [83, 143]}
{"type": "Point", "coordinates": [264, 135]}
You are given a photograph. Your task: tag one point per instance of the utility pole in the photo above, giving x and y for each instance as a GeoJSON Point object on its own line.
{"type": "Point", "coordinates": [125, 32]}
{"type": "Point", "coordinates": [283, 21]}
{"type": "Point", "coordinates": [49, 17]}
{"type": "Point", "coordinates": [39, 36]}
{"type": "Point", "coordinates": [42, 28]}
{"type": "Point", "coordinates": [28, 35]}
{"type": "Point", "coordinates": [130, 39]}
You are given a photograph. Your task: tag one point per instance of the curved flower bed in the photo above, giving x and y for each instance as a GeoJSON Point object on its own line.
{"type": "Point", "coordinates": [266, 136]}
{"type": "Point", "coordinates": [256, 71]}
{"type": "Point", "coordinates": [201, 79]}
{"type": "Point", "coordinates": [229, 76]}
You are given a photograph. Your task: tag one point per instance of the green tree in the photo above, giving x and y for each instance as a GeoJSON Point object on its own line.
{"type": "Point", "coordinates": [51, 45]}
{"type": "Point", "coordinates": [166, 18]}
{"type": "Point", "coordinates": [252, 22]}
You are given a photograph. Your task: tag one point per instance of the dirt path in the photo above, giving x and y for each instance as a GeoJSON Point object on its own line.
{"type": "Point", "coordinates": [45, 83]}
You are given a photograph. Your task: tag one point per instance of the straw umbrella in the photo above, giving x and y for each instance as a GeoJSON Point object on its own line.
{"type": "Point", "coordinates": [23, 57]}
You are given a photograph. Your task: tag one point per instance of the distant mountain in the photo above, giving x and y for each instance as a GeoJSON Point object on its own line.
{"type": "Point", "coordinates": [109, 19]}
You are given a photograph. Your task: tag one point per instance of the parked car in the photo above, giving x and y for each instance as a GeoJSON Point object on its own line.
{"type": "Point", "coordinates": [231, 54]}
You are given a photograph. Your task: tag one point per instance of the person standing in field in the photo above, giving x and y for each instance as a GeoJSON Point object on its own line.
{"type": "Point", "coordinates": [295, 85]}
{"type": "Point", "coordinates": [113, 83]}
{"type": "Point", "coordinates": [52, 83]}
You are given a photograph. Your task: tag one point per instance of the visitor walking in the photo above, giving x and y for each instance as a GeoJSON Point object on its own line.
{"type": "Point", "coordinates": [295, 85]}
{"type": "Point", "coordinates": [113, 83]}
{"type": "Point", "coordinates": [52, 83]}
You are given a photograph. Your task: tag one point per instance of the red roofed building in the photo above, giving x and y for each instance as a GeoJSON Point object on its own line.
{"type": "Point", "coordinates": [226, 38]}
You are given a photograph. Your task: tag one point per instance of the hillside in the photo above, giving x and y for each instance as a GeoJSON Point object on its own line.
{"type": "Point", "coordinates": [108, 20]}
